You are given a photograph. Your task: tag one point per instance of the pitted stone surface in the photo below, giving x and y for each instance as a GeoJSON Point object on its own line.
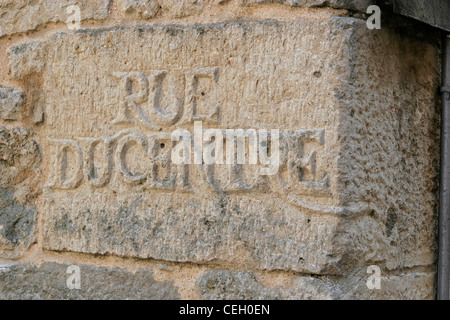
{"type": "Point", "coordinates": [402, 286]}
{"type": "Point", "coordinates": [17, 225]}
{"type": "Point", "coordinates": [19, 173]}
{"type": "Point", "coordinates": [200, 217]}
{"type": "Point", "coordinates": [141, 8]}
{"type": "Point", "coordinates": [354, 5]}
{"type": "Point", "coordinates": [20, 159]}
{"type": "Point", "coordinates": [357, 111]}
{"type": "Point", "coordinates": [26, 15]}
{"type": "Point", "coordinates": [227, 285]}
{"type": "Point", "coordinates": [49, 282]}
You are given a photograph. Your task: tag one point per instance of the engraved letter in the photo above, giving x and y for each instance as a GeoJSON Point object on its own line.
{"type": "Point", "coordinates": [123, 146]}
{"type": "Point", "coordinates": [63, 149]}
{"type": "Point", "coordinates": [202, 91]}
{"type": "Point", "coordinates": [89, 154]}
{"type": "Point", "coordinates": [131, 106]}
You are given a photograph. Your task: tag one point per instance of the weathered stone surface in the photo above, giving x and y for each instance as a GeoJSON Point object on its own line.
{"type": "Point", "coordinates": [183, 8]}
{"type": "Point", "coordinates": [228, 285]}
{"type": "Point", "coordinates": [25, 15]}
{"type": "Point", "coordinates": [354, 5]}
{"type": "Point", "coordinates": [404, 286]}
{"type": "Point", "coordinates": [49, 281]}
{"type": "Point", "coordinates": [27, 59]}
{"type": "Point", "coordinates": [390, 123]}
{"type": "Point", "coordinates": [356, 186]}
{"type": "Point", "coordinates": [199, 221]}
{"type": "Point", "coordinates": [147, 9]}
{"type": "Point", "coordinates": [141, 8]}
{"type": "Point", "coordinates": [11, 102]}
{"type": "Point", "coordinates": [20, 158]}
{"type": "Point", "coordinates": [17, 225]}
{"type": "Point", "coordinates": [19, 173]}
{"type": "Point", "coordinates": [336, 190]}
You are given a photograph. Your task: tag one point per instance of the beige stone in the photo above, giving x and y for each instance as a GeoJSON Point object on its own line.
{"type": "Point", "coordinates": [403, 286]}
{"type": "Point", "coordinates": [183, 8]}
{"type": "Point", "coordinates": [86, 174]}
{"type": "Point", "coordinates": [26, 15]}
{"type": "Point", "coordinates": [354, 5]}
{"type": "Point", "coordinates": [192, 216]}
{"type": "Point", "coordinates": [11, 103]}
{"type": "Point", "coordinates": [226, 285]}
{"type": "Point", "coordinates": [19, 172]}
{"type": "Point", "coordinates": [100, 198]}
{"type": "Point", "coordinates": [50, 280]}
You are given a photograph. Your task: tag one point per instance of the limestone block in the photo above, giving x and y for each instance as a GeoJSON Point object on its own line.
{"type": "Point", "coordinates": [11, 102]}
{"type": "Point", "coordinates": [183, 8]}
{"type": "Point", "coordinates": [141, 8]}
{"type": "Point", "coordinates": [20, 158]}
{"type": "Point", "coordinates": [17, 225]}
{"type": "Point", "coordinates": [402, 286]}
{"type": "Point", "coordinates": [356, 181]}
{"type": "Point", "coordinates": [354, 5]}
{"type": "Point", "coordinates": [19, 168]}
{"type": "Point", "coordinates": [26, 15]}
{"type": "Point", "coordinates": [50, 280]}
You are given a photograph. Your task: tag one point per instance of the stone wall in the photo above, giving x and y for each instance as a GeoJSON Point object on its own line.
{"type": "Point", "coordinates": [86, 177]}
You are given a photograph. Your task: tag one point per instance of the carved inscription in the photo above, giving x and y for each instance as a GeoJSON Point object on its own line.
{"type": "Point", "coordinates": [294, 168]}
{"type": "Point", "coordinates": [144, 102]}
{"type": "Point", "coordinates": [192, 144]}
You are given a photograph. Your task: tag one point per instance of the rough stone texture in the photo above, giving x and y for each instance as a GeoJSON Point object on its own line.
{"type": "Point", "coordinates": [389, 155]}
{"type": "Point", "coordinates": [49, 281]}
{"type": "Point", "coordinates": [234, 223]}
{"type": "Point", "coordinates": [20, 159]}
{"type": "Point", "coordinates": [354, 5]}
{"type": "Point", "coordinates": [17, 225]}
{"type": "Point", "coordinates": [403, 286]}
{"type": "Point", "coordinates": [357, 184]}
{"type": "Point", "coordinates": [183, 8]}
{"type": "Point", "coordinates": [11, 102]}
{"type": "Point", "coordinates": [141, 8]}
{"type": "Point", "coordinates": [324, 229]}
{"type": "Point", "coordinates": [27, 59]}
{"type": "Point", "coordinates": [227, 285]}
{"type": "Point", "coordinates": [19, 172]}
{"type": "Point", "coordinates": [25, 15]}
